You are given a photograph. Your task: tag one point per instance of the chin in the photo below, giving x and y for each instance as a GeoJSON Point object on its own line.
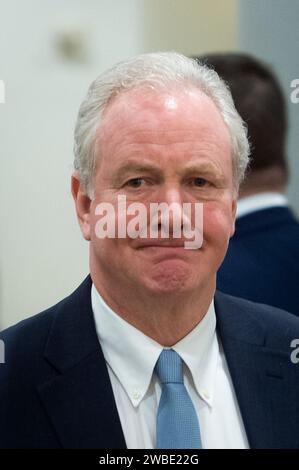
{"type": "Point", "coordinates": [170, 280]}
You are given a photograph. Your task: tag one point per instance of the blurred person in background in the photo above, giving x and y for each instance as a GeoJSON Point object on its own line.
{"type": "Point", "coordinates": [262, 262]}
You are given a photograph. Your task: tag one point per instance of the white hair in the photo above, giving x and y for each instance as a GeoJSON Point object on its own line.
{"type": "Point", "coordinates": [156, 70]}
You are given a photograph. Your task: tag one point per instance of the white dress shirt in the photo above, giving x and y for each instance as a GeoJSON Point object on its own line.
{"type": "Point", "coordinates": [247, 205]}
{"type": "Point", "coordinates": [131, 357]}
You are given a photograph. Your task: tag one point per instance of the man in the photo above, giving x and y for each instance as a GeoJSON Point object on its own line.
{"type": "Point", "coordinates": [267, 233]}
{"type": "Point", "coordinates": [145, 354]}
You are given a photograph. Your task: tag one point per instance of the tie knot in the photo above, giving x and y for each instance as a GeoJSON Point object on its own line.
{"type": "Point", "coordinates": [169, 367]}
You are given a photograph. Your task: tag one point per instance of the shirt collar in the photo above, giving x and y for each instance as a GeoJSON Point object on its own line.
{"type": "Point", "coordinates": [265, 200]}
{"type": "Point", "coordinates": [132, 355]}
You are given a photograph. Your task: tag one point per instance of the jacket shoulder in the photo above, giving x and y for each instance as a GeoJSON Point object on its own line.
{"type": "Point", "coordinates": [280, 327]}
{"type": "Point", "coordinates": [27, 339]}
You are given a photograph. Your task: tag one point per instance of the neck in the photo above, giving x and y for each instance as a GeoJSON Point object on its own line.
{"type": "Point", "coordinates": [260, 181]}
{"type": "Point", "coordinates": [166, 318]}
{"type": "Point", "coordinates": [253, 190]}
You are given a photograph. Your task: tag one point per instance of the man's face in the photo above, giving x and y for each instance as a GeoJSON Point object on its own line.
{"type": "Point", "coordinates": [163, 147]}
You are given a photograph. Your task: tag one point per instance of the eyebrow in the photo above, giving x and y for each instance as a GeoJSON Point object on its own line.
{"type": "Point", "coordinates": [137, 167]}
{"type": "Point", "coordinates": [204, 167]}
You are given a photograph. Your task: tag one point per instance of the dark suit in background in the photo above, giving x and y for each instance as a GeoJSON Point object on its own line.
{"type": "Point", "coordinates": [262, 260]}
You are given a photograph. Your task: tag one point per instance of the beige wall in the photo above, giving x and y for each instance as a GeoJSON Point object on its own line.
{"type": "Point", "coordinates": [190, 26]}
{"type": "Point", "coordinates": [43, 256]}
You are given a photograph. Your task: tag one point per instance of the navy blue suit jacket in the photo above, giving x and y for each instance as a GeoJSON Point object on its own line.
{"type": "Point", "coordinates": [262, 262]}
{"type": "Point", "coordinates": [55, 389]}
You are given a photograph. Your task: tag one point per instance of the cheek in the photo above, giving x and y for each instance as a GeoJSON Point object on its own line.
{"type": "Point", "coordinates": [217, 223]}
{"type": "Point", "coordinates": [104, 239]}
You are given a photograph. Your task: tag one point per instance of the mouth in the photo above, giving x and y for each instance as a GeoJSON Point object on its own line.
{"type": "Point", "coordinates": [162, 252]}
{"type": "Point", "coordinates": [174, 247]}
{"type": "Point", "coordinates": [161, 244]}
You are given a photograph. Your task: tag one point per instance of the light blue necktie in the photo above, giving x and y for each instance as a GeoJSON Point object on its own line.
{"type": "Point", "coordinates": [177, 423]}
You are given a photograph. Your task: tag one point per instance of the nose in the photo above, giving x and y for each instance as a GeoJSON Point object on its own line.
{"type": "Point", "coordinates": [172, 194]}
{"type": "Point", "coordinates": [169, 218]}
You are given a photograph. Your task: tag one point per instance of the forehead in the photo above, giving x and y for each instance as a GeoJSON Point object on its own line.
{"type": "Point", "coordinates": [163, 117]}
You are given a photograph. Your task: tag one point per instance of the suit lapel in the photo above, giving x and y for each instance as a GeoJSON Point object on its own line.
{"type": "Point", "coordinates": [78, 398]}
{"type": "Point", "coordinates": [260, 376]}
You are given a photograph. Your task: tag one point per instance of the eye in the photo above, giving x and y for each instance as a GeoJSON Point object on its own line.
{"type": "Point", "coordinates": [200, 182]}
{"type": "Point", "coordinates": [135, 182]}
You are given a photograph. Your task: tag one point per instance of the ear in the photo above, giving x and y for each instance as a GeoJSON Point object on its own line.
{"type": "Point", "coordinates": [234, 212]}
{"type": "Point", "coordinates": [82, 203]}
